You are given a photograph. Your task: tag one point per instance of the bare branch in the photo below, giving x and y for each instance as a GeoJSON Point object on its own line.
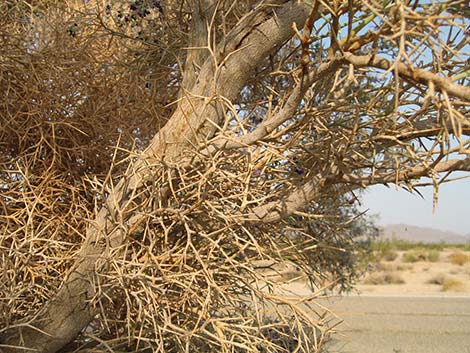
{"type": "Point", "coordinates": [408, 174]}
{"type": "Point", "coordinates": [443, 84]}
{"type": "Point", "coordinates": [286, 113]}
{"type": "Point", "coordinates": [278, 210]}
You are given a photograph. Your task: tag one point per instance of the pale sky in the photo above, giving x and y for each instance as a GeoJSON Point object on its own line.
{"type": "Point", "coordinates": [399, 206]}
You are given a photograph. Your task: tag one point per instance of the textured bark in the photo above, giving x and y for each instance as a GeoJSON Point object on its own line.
{"type": "Point", "coordinates": [442, 84]}
{"type": "Point", "coordinates": [326, 134]}
{"type": "Point", "coordinates": [248, 44]}
{"type": "Point", "coordinates": [198, 48]}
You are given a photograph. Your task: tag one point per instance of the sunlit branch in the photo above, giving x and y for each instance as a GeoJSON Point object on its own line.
{"type": "Point", "coordinates": [443, 84]}
{"type": "Point", "coordinates": [287, 112]}
{"type": "Point", "coordinates": [277, 210]}
{"type": "Point", "coordinates": [407, 174]}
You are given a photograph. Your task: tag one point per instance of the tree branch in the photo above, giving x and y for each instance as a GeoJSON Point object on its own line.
{"type": "Point", "coordinates": [70, 311]}
{"type": "Point", "coordinates": [277, 210]}
{"type": "Point", "coordinates": [423, 128]}
{"type": "Point", "coordinates": [407, 174]}
{"type": "Point", "coordinates": [198, 46]}
{"type": "Point", "coordinates": [286, 113]}
{"type": "Point", "coordinates": [443, 84]}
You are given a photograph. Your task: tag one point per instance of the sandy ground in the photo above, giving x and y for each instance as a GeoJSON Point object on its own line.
{"type": "Point", "coordinates": [394, 324]}
{"type": "Point", "coordinates": [395, 278]}
{"type": "Point", "coordinates": [419, 278]}
{"type": "Point", "coordinates": [427, 312]}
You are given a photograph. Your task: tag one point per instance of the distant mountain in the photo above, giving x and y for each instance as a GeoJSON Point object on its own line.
{"type": "Point", "coordinates": [421, 234]}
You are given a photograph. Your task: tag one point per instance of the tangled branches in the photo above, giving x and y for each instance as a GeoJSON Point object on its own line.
{"type": "Point", "coordinates": [162, 168]}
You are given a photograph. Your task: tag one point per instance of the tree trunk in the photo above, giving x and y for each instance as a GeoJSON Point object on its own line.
{"type": "Point", "coordinates": [256, 36]}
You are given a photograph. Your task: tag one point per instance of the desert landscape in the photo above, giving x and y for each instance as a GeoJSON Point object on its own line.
{"type": "Point", "coordinates": [398, 266]}
{"type": "Point", "coordinates": [413, 300]}
{"type": "Point", "coordinates": [407, 259]}
{"type": "Point", "coordinates": [419, 271]}
{"type": "Point", "coordinates": [412, 297]}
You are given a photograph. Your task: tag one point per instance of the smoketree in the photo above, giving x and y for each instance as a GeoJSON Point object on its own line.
{"type": "Point", "coordinates": [161, 161]}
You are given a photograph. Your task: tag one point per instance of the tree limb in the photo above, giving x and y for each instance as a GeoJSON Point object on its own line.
{"type": "Point", "coordinates": [70, 311]}
{"type": "Point", "coordinates": [407, 174]}
{"type": "Point", "coordinates": [443, 84]}
{"type": "Point", "coordinates": [286, 113]}
{"type": "Point", "coordinates": [277, 210]}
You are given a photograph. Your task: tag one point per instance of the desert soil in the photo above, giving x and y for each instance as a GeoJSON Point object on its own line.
{"type": "Point", "coordinates": [442, 277]}
{"type": "Point", "coordinates": [407, 324]}
{"type": "Point", "coordinates": [428, 312]}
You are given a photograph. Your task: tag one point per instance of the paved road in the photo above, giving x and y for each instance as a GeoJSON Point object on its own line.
{"type": "Point", "coordinates": [402, 325]}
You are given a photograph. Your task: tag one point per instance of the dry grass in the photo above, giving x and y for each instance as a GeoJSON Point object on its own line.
{"type": "Point", "coordinates": [452, 285]}
{"type": "Point", "coordinates": [438, 279]}
{"type": "Point", "coordinates": [459, 258]}
{"type": "Point", "coordinates": [382, 278]}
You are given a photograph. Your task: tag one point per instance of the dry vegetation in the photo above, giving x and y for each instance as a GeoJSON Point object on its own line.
{"type": "Point", "coordinates": [459, 258]}
{"type": "Point", "coordinates": [447, 283]}
{"type": "Point", "coordinates": [384, 278]}
{"type": "Point", "coordinates": [438, 279]}
{"type": "Point", "coordinates": [421, 268]}
{"type": "Point", "coordinates": [421, 255]}
{"type": "Point", "coordinates": [154, 155]}
{"type": "Point", "coordinates": [451, 284]}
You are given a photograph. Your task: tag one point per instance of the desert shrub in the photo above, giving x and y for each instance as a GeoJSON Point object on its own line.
{"type": "Point", "coordinates": [390, 256]}
{"type": "Point", "coordinates": [438, 279]}
{"type": "Point", "coordinates": [410, 256]}
{"type": "Point", "coordinates": [383, 249]}
{"type": "Point", "coordinates": [384, 278]}
{"type": "Point", "coordinates": [459, 258]}
{"type": "Point", "coordinates": [405, 245]}
{"type": "Point", "coordinates": [382, 246]}
{"type": "Point", "coordinates": [433, 255]}
{"type": "Point", "coordinates": [420, 255]}
{"type": "Point", "coordinates": [452, 285]}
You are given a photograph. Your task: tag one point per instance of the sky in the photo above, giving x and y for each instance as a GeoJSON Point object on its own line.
{"type": "Point", "coordinates": [398, 206]}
